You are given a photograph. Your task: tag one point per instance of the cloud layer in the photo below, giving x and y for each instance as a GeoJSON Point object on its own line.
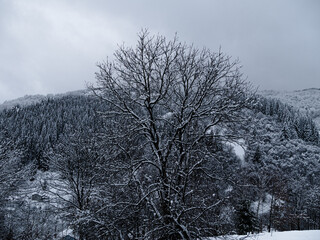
{"type": "Point", "coordinates": [52, 46]}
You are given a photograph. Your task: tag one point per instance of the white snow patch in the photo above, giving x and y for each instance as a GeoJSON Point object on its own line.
{"type": "Point", "coordinates": [228, 189]}
{"type": "Point", "coordinates": [264, 206]}
{"type": "Point", "coordinates": [288, 235]}
{"type": "Point", "coordinates": [210, 130]}
{"type": "Point", "coordinates": [66, 232]}
{"type": "Point", "coordinates": [168, 115]}
{"type": "Point", "coordinates": [47, 186]}
{"type": "Point", "coordinates": [239, 148]}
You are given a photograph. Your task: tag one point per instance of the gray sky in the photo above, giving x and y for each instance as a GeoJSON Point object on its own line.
{"type": "Point", "coordinates": [52, 46]}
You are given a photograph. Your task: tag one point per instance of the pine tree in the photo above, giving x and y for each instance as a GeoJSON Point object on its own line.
{"type": "Point", "coordinates": [245, 218]}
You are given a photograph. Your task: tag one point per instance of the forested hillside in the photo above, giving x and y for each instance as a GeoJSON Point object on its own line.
{"type": "Point", "coordinates": [275, 186]}
{"type": "Point", "coordinates": [36, 129]}
{"type": "Point", "coordinates": [307, 100]}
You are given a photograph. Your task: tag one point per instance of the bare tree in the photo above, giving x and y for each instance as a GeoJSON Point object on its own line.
{"type": "Point", "coordinates": [165, 100]}
{"type": "Point", "coordinates": [76, 161]}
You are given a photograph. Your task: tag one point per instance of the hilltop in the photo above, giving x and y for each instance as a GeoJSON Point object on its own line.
{"type": "Point", "coordinates": [33, 99]}
{"type": "Point", "coordinates": [306, 100]}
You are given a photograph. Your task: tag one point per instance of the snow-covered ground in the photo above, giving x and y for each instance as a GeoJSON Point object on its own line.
{"type": "Point", "coordinates": [239, 149]}
{"type": "Point", "coordinates": [45, 190]}
{"type": "Point", "coordinates": [289, 235]}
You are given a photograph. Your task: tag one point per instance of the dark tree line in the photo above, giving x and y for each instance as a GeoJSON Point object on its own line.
{"type": "Point", "coordinates": [36, 129]}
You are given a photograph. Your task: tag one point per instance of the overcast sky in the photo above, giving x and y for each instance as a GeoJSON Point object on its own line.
{"type": "Point", "coordinates": [52, 46]}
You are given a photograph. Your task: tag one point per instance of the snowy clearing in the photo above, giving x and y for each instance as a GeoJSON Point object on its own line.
{"type": "Point", "coordinates": [289, 235]}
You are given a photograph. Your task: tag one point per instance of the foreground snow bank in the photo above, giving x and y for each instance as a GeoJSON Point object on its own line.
{"type": "Point", "coordinates": [290, 235]}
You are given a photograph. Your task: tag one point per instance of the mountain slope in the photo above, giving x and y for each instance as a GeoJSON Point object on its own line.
{"type": "Point", "coordinates": [51, 142]}
{"type": "Point", "coordinates": [34, 99]}
{"type": "Point", "coordinates": [307, 100]}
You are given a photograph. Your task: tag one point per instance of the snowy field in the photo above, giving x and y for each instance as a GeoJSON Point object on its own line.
{"type": "Point", "coordinates": [290, 235]}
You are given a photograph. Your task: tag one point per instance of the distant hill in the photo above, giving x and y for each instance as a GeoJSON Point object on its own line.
{"type": "Point", "coordinates": [23, 101]}
{"type": "Point", "coordinates": [306, 100]}
{"type": "Point", "coordinates": [33, 99]}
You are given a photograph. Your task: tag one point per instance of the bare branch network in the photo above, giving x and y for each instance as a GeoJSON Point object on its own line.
{"type": "Point", "coordinates": [165, 99]}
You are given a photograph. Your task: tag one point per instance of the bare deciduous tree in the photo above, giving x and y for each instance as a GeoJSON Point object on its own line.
{"type": "Point", "coordinates": [76, 161]}
{"type": "Point", "coordinates": [165, 100]}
